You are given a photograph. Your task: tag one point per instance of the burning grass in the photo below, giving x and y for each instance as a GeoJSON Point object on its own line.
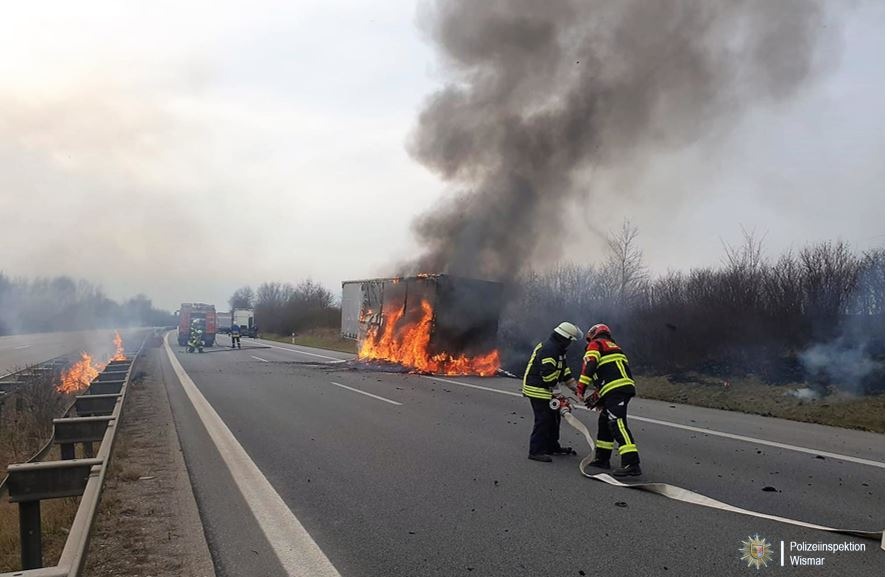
{"type": "Point", "coordinates": [77, 378]}
{"type": "Point", "coordinates": [25, 426]}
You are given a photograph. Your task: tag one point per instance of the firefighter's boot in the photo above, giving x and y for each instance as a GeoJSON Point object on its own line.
{"type": "Point", "coordinates": [628, 471]}
{"type": "Point", "coordinates": [631, 465]}
{"type": "Point", "coordinates": [601, 459]}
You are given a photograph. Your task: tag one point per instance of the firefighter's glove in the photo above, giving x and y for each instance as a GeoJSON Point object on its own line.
{"type": "Point", "coordinates": [592, 400]}
{"type": "Point", "coordinates": [580, 390]}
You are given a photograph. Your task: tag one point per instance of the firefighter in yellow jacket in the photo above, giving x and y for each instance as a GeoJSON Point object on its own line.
{"type": "Point", "coordinates": [605, 371]}
{"type": "Point", "coordinates": [548, 368]}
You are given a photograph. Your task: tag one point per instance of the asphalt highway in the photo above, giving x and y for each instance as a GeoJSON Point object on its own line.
{"type": "Point", "coordinates": [399, 474]}
{"type": "Point", "coordinates": [20, 351]}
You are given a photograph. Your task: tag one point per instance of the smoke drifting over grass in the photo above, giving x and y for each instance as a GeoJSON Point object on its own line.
{"type": "Point", "coordinates": [848, 365]}
{"type": "Point", "coordinates": [539, 93]}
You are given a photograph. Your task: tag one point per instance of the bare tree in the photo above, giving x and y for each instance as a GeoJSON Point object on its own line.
{"type": "Point", "coordinates": [625, 264]}
{"type": "Point", "coordinates": [243, 298]}
{"type": "Point", "coordinates": [283, 308]}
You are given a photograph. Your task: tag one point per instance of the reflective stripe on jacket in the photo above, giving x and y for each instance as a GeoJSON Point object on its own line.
{"type": "Point", "coordinates": [605, 367]}
{"type": "Point", "coordinates": [547, 367]}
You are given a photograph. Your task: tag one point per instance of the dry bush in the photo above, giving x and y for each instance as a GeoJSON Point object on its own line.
{"type": "Point", "coordinates": [25, 426]}
{"type": "Point", "coordinates": [748, 316]}
{"type": "Point", "coordinates": [26, 417]}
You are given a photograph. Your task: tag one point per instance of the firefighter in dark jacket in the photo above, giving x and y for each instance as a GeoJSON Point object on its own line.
{"type": "Point", "coordinates": [548, 368]}
{"type": "Point", "coordinates": [606, 373]}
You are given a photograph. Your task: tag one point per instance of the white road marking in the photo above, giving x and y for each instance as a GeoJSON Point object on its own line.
{"type": "Point", "coordinates": [712, 432]}
{"type": "Point", "coordinates": [260, 359]}
{"type": "Point", "coordinates": [22, 347]}
{"type": "Point", "coordinates": [765, 442]}
{"type": "Point", "coordinates": [490, 389]}
{"type": "Point", "coordinates": [297, 552]}
{"type": "Point", "coordinates": [298, 352]}
{"type": "Point", "coordinates": [366, 393]}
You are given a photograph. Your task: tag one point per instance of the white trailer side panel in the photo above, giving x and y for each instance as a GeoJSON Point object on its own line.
{"type": "Point", "coordinates": [352, 300]}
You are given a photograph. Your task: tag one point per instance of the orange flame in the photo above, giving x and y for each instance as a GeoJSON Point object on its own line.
{"type": "Point", "coordinates": [118, 346]}
{"type": "Point", "coordinates": [84, 371]}
{"type": "Point", "coordinates": [78, 377]}
{"type": "Point", "coordinates": [408, 346]}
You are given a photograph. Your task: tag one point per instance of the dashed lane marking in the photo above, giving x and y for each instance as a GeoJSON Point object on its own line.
{"type": "Point", "coordinates": [366, 393]}
{"type": "Point", "coordinates": [298, 352]}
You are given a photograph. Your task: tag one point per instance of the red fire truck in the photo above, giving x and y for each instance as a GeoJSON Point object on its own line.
{"type": "Point", "coordinates": [205, 317]}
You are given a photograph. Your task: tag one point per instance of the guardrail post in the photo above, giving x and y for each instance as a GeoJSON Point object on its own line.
{"type": "Point", "coordinates": [69, 431]}
{"type": "Point", "coordinates": [30, 483]}
{"type": "Point", "coordinates": [30, 534]}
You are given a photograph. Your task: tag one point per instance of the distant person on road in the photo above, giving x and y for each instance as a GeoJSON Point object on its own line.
{"type": "Point", "coordinates": [605, 368]}
{"type": "Point", "coordinates": [235, 336]}
{"type": "Point", "coordinates": [548, 368]}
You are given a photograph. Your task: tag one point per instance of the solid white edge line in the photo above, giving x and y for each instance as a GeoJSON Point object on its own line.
{"type": "Point", "coordinates": [366, 393]}
{"type": "Point", "coordinates": [298, 352]}
{"type": "Point", "coordinates": [297, 552]}
{"type": "Point", "coordinates": [712, 432]}
{"type": "Point", "coordinates": [765, 442]}
{"type": "Point", "coordinates": [260, 359]}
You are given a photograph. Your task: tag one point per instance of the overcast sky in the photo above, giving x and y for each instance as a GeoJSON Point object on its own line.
{"type": "Point", "coordinates": [183, 149]}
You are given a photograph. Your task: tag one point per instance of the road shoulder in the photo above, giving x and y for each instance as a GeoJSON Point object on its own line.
{"type": "Point", "coordinates": [148, 521]}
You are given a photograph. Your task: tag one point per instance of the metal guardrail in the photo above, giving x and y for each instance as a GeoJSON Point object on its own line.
{"type": "Point", "coordinates": [10, 388]}
{"type": "Point", "coordinates": [29, 483]}
{"type": "Point", "coordinates": [11, 382]}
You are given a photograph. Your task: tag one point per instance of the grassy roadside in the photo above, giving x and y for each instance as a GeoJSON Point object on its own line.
{"type": "Point", "coordinates": [56, 516]}
{"type": "Point", "coordinates": [318, 338]}
{"type": "Point", "coordinates": [749, 395]}
{"type": "Point", "coordinates": [25, 425]}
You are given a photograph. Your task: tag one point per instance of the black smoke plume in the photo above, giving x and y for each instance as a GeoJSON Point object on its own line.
{"type": "Point", "coordinates": [540, 93]}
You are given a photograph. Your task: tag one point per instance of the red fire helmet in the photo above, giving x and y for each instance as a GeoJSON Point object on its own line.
{"type": "Point", "coordinates": [597, 330]}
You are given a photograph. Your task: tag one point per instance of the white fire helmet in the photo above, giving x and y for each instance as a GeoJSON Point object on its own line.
{"type": "Point", "coordinates": [568, 330]}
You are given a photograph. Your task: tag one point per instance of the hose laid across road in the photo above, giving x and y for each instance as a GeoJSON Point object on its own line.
{"type": "Point", "coordinates": [687, 496]}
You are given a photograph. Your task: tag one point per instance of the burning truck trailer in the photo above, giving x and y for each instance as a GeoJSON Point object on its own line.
{"type": "Point", "coordinates": [433, 323]}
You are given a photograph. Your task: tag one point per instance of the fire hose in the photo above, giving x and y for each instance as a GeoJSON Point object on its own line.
{"type": "Point", "coordinates": [563, 404]}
